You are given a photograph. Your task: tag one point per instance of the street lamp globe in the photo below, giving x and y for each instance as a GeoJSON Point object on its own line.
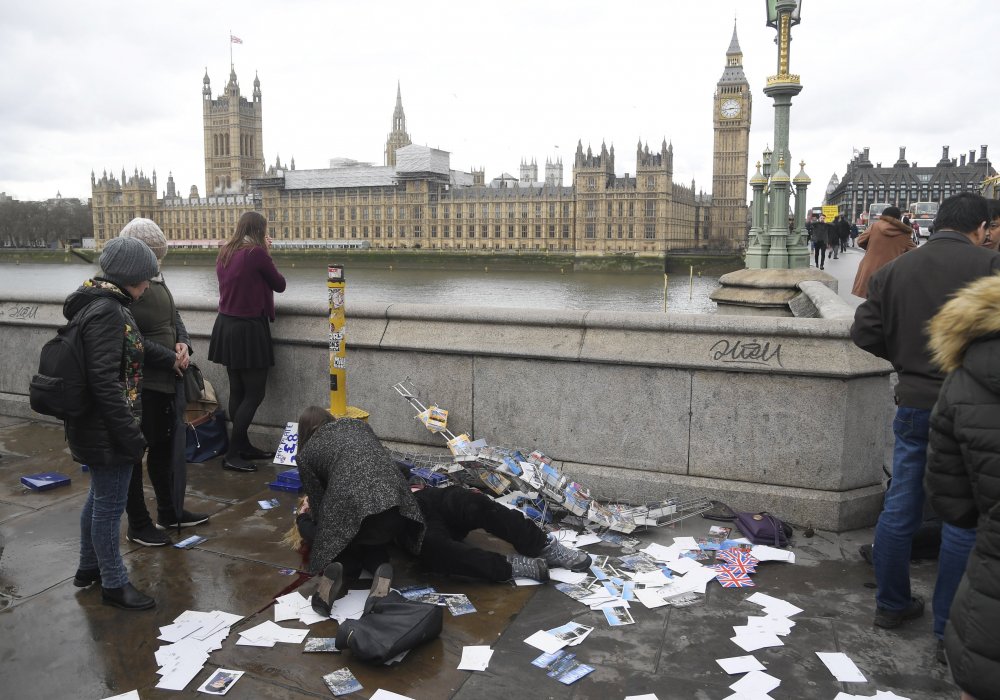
{"type": "Point", "coordinates": [773, 12]}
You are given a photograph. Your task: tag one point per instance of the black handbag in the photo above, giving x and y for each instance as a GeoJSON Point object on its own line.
{"type": "Point", "coordinates": [388, 627]}
{"type": "Point", "coordinates": [206, 437]}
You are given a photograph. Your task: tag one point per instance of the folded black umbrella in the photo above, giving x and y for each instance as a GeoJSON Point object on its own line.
{"type": "Point", "coordinates": [178, 464]}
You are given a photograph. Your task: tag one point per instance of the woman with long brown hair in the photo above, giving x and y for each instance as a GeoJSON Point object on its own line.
{"type": "Point", "coordinates": [241, 337]}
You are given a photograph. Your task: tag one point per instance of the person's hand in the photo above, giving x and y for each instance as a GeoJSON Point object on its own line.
{"type": "Point", "coordinates": [303, 505]}
{"type": "Point", "coordinates": [183, 358]}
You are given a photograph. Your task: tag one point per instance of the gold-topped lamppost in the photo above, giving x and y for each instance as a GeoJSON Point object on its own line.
{"type": "Point", "coordinates": [777, 247]}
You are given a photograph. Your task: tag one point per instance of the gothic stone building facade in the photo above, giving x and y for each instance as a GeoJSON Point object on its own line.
{"type": "Point", "coordinates": [415, 200]}
{"type": "Point", "coordinates": [903, 184]}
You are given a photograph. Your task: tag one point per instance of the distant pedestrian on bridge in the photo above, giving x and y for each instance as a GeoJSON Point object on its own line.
{"type": "Point", "coordinates": [902, 297]}
{"type": "Point", "coordinates": [883, 241]}
{"type": "Point", "coordinates": [820, 238]}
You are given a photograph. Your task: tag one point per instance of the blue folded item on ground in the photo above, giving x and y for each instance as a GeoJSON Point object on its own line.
{"type": "Point", "coordinates": [287, 480]}
{"type": "Point", "coordinates": [206, 438]}
{"type": "Point", "coordinates": [45, 481]}
{"type": "Point", "coordinates": [429, 477]}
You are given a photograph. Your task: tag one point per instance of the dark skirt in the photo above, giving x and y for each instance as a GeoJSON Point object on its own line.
{"type": "Point", "coordinates": [241, 343]}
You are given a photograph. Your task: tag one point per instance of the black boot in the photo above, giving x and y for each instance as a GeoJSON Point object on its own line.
{"type": "Point", "coordinates": [331, 585]}
{"type": "Point", "coordinates": [85, 577]}
{"type": "Point", "coordinates": [127, 598]}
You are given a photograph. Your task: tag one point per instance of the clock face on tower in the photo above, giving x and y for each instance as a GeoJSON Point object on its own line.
{"type": "Point", "coordinates": [730, 109]}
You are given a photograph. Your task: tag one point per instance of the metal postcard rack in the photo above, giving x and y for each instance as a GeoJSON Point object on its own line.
{"type": "Point", "coordinates": [537, 487]}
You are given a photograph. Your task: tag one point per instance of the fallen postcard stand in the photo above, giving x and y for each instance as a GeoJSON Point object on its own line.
{"type": "Point", "coordinates": [528, 481]}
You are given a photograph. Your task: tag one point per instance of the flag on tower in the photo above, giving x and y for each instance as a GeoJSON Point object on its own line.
{"type": "Point", "coordinates": [235, 39]}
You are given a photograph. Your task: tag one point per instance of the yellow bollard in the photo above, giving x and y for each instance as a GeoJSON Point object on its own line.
{"type": "Point", "coordinates": [338, 347]}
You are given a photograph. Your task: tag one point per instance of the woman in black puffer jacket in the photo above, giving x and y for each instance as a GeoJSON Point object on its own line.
{"type": "Point", "coordinates": [963, 475]}
{"type": "Point", "coordinates": [108, 438]}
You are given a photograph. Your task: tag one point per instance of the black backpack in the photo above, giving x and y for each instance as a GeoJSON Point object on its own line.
{"type": "Point", "coordinates": [60, 387]}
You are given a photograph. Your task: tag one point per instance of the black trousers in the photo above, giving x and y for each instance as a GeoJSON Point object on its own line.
{"type": "Point", "coordinates": [246, 394]}
{"type": "Point", "coordinates": [369, 548]}
{"type": "Point", "coordinates": [819, 250]}
{"type": "Point", "coordinates": [452, 513]}
{"type": "Point", "coordinates": [158, 429]}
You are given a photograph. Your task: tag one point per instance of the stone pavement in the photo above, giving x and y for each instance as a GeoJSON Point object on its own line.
{"type": "Point", "coordinates": [58, 641]}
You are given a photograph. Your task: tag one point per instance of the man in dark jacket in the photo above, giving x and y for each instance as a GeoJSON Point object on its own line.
{"type": "Point", "coordinates": [963, 475]}
{"type": "Point", "coordinates": [843, 233]}
{"type": "Point", "coordinates": [820, 238]}
{"type": "Point", "coordinates": [902, 297]}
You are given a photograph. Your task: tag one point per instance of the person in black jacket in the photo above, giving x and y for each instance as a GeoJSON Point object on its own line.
{"type": "Point", "coordinates": [963, 475]}
{"type": "Point", "coordinates": [902, 297]}
{"type": "Point", "coordinates": [108, 439]}
{"type": "Point", "coordinates": [820, 238]}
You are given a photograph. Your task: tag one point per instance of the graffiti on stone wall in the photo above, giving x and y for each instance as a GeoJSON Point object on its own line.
{"type": "Point", "coordinates": [755, 353]}
{"type": "Point", "coordinates": [19, 312]}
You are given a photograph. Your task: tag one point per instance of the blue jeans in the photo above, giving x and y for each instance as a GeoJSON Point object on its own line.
{"type": "Point", "coordinates": [100, 523]}
{"type": "Point", "coordinates": [901, 517]}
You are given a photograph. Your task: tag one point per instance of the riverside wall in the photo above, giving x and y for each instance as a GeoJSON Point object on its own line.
{"type": "Point", "coordinates": [778, 414]}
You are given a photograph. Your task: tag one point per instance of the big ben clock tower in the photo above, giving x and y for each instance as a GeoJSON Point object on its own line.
{"type": "Point", "coordinates": [731, 116]}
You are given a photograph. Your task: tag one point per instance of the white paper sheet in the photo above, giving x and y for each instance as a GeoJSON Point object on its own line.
{"type": "Point", "coordinates": [774, 606]}
{"type": "Point", "coordinates": [686, 543]}
{"type": "Point", "coordinates": [350, 607]}
{"type": "Point", "coordinates": [650, 597]}
{"type": "Point", "coordinates": [566, 576]}
{"type": "Point", "coordinates": [587, 539]}
{"type": "Point", "coordinates": [684, 565]}
{"type": "Point", "coordinates": [740, 664]}
{"type": "Point", "coordinates": [526, 582]}
{"type": "Point", "coordinates": [756, 682]}
{"type": "Point", "coordinates": [761, 552]}
{"type": "Point", "coordinates": [130, 695]}
{"type": "Point", "coordinates": [546, 642]}
{"type": "Point", "coordinates": [388, 695]}
{"type": "Point", "coordinates": [475, 658]}
{"type": "Point", "coordinates": [647, 696]}
{"type": "Point", "coordinates": [841, 666]}
{"type": "Point", "coordinates": [756, 640]}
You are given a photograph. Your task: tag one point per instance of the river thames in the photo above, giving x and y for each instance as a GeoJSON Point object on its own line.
{"type": "Point", "coordinates": [530, 290]}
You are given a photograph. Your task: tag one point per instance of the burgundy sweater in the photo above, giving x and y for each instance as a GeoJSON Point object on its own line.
{"type": "Point", "coordinates": [247, 284]}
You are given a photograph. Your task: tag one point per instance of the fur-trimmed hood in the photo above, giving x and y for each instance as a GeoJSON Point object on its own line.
{"type": "Point", "coordinates": [894, 227]}
{"type": "Point", "coordinates": [959, 331]}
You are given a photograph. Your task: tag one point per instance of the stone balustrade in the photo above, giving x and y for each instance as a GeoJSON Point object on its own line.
{"type": "Point", "coordinates": [778, 414]}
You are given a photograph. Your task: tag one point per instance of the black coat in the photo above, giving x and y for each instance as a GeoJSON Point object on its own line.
{"type": "Point", "coordinates": [348, 475]}
{"type": "Point", "coordinates": [963, 475]}
{"type": "Point", "coordinates": [109, 434]}
{"type": "Point", "coordinates": [903, 296]}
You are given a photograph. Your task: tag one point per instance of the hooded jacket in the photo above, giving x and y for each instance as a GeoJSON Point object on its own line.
{"type": "Point", "coordinates": [883, 242]}
{"type": "Point", "coordinates": [963, 474]}
{"type": "Point", "coordinates": [113, 351]}
{"type": "Point", "coordinates": [903, 296]}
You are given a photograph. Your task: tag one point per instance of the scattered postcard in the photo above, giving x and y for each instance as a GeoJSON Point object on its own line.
{"type": "Point", "coordinates": [841, 666]}
{"type": "Point", "coordinates": [618, 615]}
{"type": "Point", "coordinates": [546, 642]}
{"type": "Point", "coordinates": [459, 604]}
{"type": "Point", "coordinates": [268, 504]}
{"type": "Point", "coordinates": [769, 623]}
{"type": "Point", "coordinates": [566, 576]}
{"type": "Point", "coordinates": [574, 591]}
{"type": "Point", "coordinates": [526, 582]}
{"type": "Point", "coordinates": [650, 597]}
{"type": "Point", "coordinates": [686, 542]}
{"type": "Point", "coordinates": [586, 539]}
{"type": "Point", "coordinates": [598, 573]}
{"type": "Point", "coordinates": [414, 592]}
{"type": "Point", "coordinates": [572, 633]}
{"type": "Point", "coordinates": [683, 565]}
{"type": "Point", "coordinates": [719, 531]}
{"type": "Point", "coordinates": [130, 695]}
{"type": "Point", "coordinates": [316, 644]}
{"type": "Point", "coordinates": [475, 658]}
{"type": "Point", "coordinates": [190, 542]}
{"type": "Point", "coordinates": [752, 641]}
{"type": "Point", "coordinates": [350, 607]}
{"type": "Point", "coordinates": [342, 682]}
{"type": "Point", "coordinates": [220, 682]}
{"type": "Point", "coordinates": [647, 696]}
{"type": "Point", "coordinates": [774, 606]}
{"type": "Point", "coordinates": [756, 683]}
{"type": "Point", "coordinates": [762, 552]}
{"type": "Point", "coordinates": [381, 694]}
{"type": "Point", "coordinates": [740, 664]}
{"type": "Point", "coordinates": [562, 666]}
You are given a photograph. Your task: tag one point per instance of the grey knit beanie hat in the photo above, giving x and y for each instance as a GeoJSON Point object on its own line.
{"type": "Point", "coordinates": [128, 262]}
{"type": "Point", "coordinates": [149, 233]}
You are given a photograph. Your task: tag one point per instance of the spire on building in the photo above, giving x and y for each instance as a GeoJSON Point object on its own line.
{"type": "Point", "coordinates": [734, 61]}
{"type": "Point", "coordinates": [734, 44]}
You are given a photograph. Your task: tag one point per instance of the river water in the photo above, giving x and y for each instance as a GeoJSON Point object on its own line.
{"type": "Point", "coordinates": [531, 290]}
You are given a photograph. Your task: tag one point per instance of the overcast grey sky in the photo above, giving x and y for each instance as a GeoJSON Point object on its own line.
{"type": "Point", "coordinates": [106, 85]}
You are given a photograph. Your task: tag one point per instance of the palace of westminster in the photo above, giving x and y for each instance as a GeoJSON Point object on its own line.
{"type": "Point", "coordinates": [415, 200]}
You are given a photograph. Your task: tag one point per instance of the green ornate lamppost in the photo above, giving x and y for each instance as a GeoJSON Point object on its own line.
{"type": "Point", "coordinates": [773, 243]}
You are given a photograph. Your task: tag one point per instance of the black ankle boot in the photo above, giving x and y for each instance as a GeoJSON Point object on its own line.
{"type": "Point", "coordinates": [85, 577]}
{"type": "Point", "coordinates": [126, 598]}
